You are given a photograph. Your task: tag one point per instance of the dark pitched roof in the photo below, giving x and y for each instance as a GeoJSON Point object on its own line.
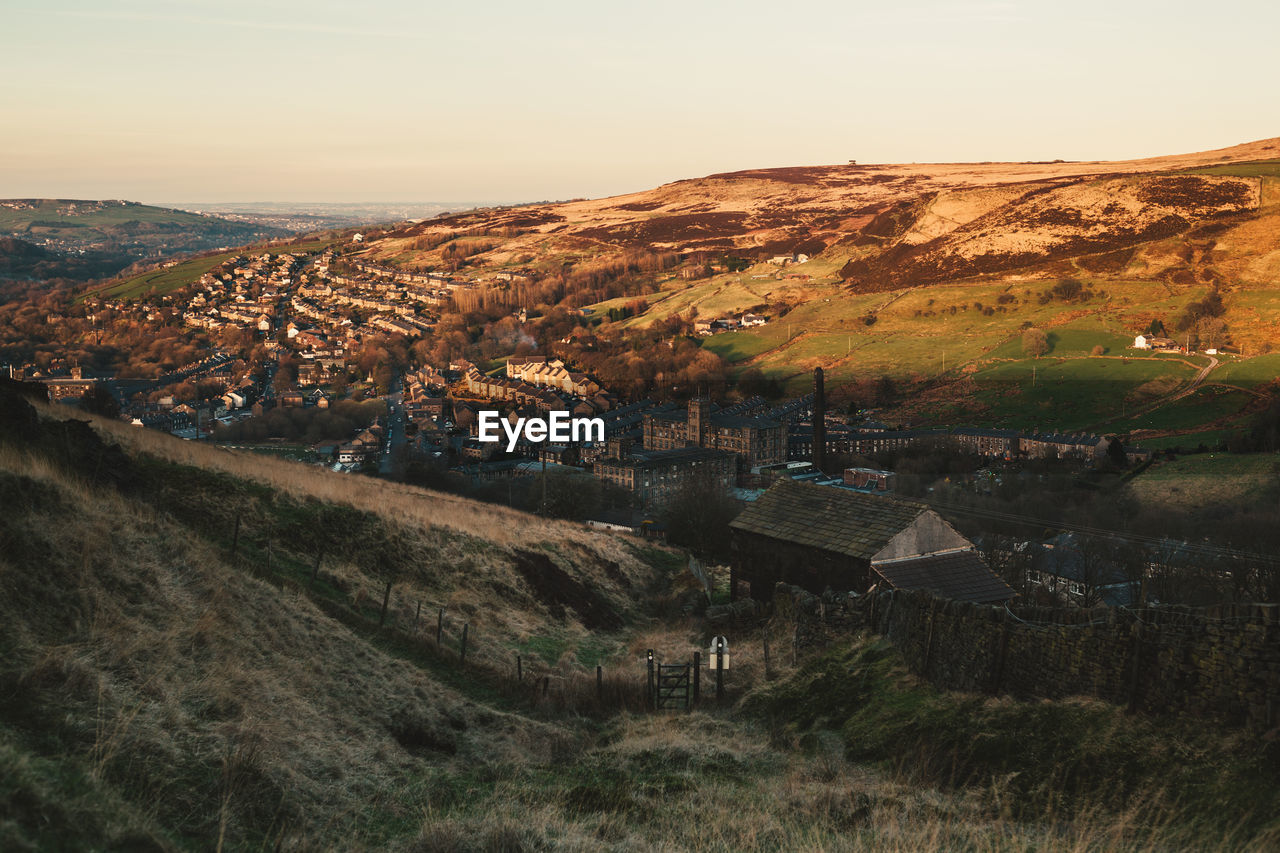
{"type": "Point", "coordinates": [961, 575]}
{"type": "Point", "coordinates": [985, 432]}
{"type": "Point", "coordinates": [838, 520]}
{"type": "Point", "coordinates": [717, 418]}
{"type": "Point", "coordinates": [740, 421]}
{"type": "Point", "coordinates": [651, 459]}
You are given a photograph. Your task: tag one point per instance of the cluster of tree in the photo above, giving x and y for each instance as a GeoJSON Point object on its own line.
{"type": "Point", "coordinates": [648, 365]}
{"type": "Point", "coordinates": [1210, 306]}
{"type": "Point", "coordinates": [631, 309]}
{"type": "Point", "coordinates": [1201, 322]}
{"type": "Point", "coordinates": [698, 517]}
{"type": "Point", "coordinates": [572, 495]}
{"type": "Point", "coordinates": [124, 345]}
{"type": "Point", "coordinates": [1067, 290]}
{"type": "Point", "coordinates": [339, 422]}
{"type": "Point", "coordinates": [753, 383]}
{"type": "Point", "coordinates": [863, 393]}
{"type": "Point", "coordinates": [573, 285]}
{"type": "Point", "coordinates": [1035, 342]}
{"type": "Point", "coordinates": [454, 256]}
{"type": "Point", "coordinates": [1263, 435]}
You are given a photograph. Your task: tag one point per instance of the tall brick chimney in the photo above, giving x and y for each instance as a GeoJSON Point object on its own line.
{"type": "Point", "coordinates": [819, 420]}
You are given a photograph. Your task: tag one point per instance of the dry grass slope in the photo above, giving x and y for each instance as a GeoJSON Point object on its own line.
{"type": "Point", "coordinates": [157, 693]}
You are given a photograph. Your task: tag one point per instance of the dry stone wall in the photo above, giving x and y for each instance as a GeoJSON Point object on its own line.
{"type": "Point", "coordinates": [1218, 662]}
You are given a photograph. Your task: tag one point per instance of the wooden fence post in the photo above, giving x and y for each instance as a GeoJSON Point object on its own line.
{"type": "Point", "coordinates": [997, 665]}
{"type": "Point", "coordinates": [1136, 675]}
{"type": "Point", "coordinates": [652, 699]}
{"type": "Point", "coordinates": [764, 637]}
{"type": "Point", "coordinates": [928, 643]}
{"type": "Point", "coordinates": [697, 678]}
{"type": "Point", "coordinates": [719, 670]}
{"type": "Point", "coordinates": [386, 599]}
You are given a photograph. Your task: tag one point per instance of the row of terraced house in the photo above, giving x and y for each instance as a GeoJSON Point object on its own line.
{"type": "Point", "coordinates": [1006, 444]}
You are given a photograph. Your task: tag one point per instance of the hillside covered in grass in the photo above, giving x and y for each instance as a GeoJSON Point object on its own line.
{"type": "Point", "coordinates": [927, 274]}
{"type": "Point", "coordinates": [80, 240]}
{"type": "Point", "coordinates": [179, 676]}
{"type": "Point", "coordinates": [159, 691]}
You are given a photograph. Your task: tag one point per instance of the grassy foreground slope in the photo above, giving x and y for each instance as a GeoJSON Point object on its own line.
{"type": "Point", "coordinates": [1082, 760]}
{"type": "Point", "coordinates": [157, 693]}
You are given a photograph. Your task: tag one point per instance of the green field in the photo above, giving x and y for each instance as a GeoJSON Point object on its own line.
{"type": "Point", "coordinates": [47, 211]}
{"type": "Point", "coordinates": [1255, 169]}
{"type": "Point", "coordinates": [1206, 405]}
{"type": "Point", "coordinates": [1188, 440]}
{"type": "Point", "coordinates": [945, 330]}
{"type": "Point", "coordinates": [1249, 372]}
{"type": "Point", "coordinates": [1072, 394]}
{"type": "Point", "coordinates": [1076, 339]}
{"type": "Point", "coordinates": [163, 281]}
{"type": "Point", "coordinates": [916, 334]}
{"type": "Point", "coordinates": [1205, 478]}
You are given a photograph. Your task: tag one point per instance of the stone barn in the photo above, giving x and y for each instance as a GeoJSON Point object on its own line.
{"type": "Point", "coordinates": [820, 537]}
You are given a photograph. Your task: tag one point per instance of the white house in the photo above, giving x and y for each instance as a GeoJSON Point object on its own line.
{"type": "Point", "coordinates": [1141, 342]}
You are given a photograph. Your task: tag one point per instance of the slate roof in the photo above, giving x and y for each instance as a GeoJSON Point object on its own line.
{"type": "Point", "coordinates": [960, 575]}
{"type": "Point", "coordinates": [651, 459]}
{"type": "Point", "coordinates": [838, 520]}
{"type": "Point", "coordinates": [717, 418]}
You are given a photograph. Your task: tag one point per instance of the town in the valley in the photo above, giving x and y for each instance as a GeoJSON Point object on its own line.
{"type": "Point", "coordinates": [325, 358]}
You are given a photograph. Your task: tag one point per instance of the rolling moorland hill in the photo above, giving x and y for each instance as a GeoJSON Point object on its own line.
{"type": "Point", "coordinates": [810, 209]}
{"type": "Point", "coordinates": [174, 679]}
{"type": "Point", "coordinates": [930, 274]}
{"type": "Point", "coordinates": [82, 239]}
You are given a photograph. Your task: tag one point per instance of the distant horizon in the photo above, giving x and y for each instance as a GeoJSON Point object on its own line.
{"type": "Point", "coordinates": [516, 202]}
{"type": "Point", "coordinates": [400, 202]}
{"type": "Point", "coordinates": [143, 99]}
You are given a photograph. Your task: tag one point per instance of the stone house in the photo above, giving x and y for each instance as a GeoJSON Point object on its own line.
{"type": "Point", "coordinates": [818, 537]}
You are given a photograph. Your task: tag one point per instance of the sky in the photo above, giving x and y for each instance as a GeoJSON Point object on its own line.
{"type": "Point", "coordinates": [502, 102]}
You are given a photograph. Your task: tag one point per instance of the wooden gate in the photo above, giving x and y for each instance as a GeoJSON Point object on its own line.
{"type": "Point", "coordinates": [673, 686]}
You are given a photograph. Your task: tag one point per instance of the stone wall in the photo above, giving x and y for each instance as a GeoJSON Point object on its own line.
{"type": "Point", "coordinates": [1218, 662]}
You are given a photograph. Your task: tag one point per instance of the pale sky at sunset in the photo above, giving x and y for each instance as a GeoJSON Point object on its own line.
{"type": "Point", "coordinates": [275, 100]}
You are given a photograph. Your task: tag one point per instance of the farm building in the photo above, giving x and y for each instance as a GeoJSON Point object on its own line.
{"type": "Point", "coordinates": [819, 537]}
